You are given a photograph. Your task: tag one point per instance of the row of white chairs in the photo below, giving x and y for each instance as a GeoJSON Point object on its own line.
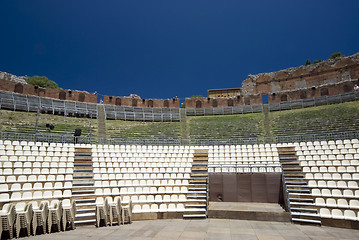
{"type": "Point", "coordinates": [30, 171]}
{"type": "Point", "coordinates": [35, 159]}
{"type": "Point", "coordinates": [330, 142]}
{"type": "Point", "coordinates": [36, 195]}
{"type": "Point", "coordinates": [141, 170]}
{"type": "Point", "coordinates": [36, 148]}
{"type": "Point", "coordinates": [328, 147]}
{"type": "Point", "coordinates": [332, 169]}
{"type": "Point", "coordinates": [324, 156]}
{"type": "Point", "coordinates": [155, 208]}
{"type": "Point", "coordinates": [332, 176]}
{"type": "Point", "coordinates": [129, 183]}
{"type": "Point", "coordinates": [36, 164]}
{"type": "Point", "coordinates": [142, 160]}
{"type": "Point", "coordinates": [337, 193]}
{"type": "Point", "coordinates": [126, 176]}
{"type": "Point", "coordinates": [143, 155]}
{"type": "Point", "coordinates": [333, 184]}
{"type": "Point", "coordinates": [39, 144]}
{"type": "Point", "coordinates": [143, 190]}
{"type": "Point", "coordinates": [337, 203]}
{"type": "Point", "coordinates": [339, 214]}
{"type": "Point", "coordinates": [36, 186]}
{"type": "Point", "coordinates": [141, 165]}
{"type": "Point", "coordinates": [328, 163]}
{"type": "Point", "coordinates": [242, 161]}
{"type": "Point", "coordinates": [36, 178]}
{"type": "Point", "coordinates": [36, 153]}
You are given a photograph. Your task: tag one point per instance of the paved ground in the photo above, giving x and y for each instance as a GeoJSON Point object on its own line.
{"type": "Point", "coordinates": [205, 229]}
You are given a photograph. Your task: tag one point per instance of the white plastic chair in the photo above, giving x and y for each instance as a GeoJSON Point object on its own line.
{"type": "Point", "coordinates": [8, 217]}
{"type": "Point", "coordinates": [40, 216]}
{"type": "Point", "coordinates": [55, 214]}
{"type": "Point", "coordinates": [23, 217]}
{"type": "Point", "coordinates": [127, 212]}
{"type": "Point", "coordinates": [68, 213]}
{"type": "Point", "coordinates": [101, 211]}
{"type": "Point", "coordinates": [115, 209]}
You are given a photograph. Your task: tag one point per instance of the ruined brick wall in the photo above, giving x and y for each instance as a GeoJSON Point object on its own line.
{"type": "Point", "coordinates": [330, 77]}
{"type": "Point", "coordinates": [28, 89]}
{"type": "Point", "coordinates": [142, 103]}
{"type": "Point", "coordinates": [213, 102]}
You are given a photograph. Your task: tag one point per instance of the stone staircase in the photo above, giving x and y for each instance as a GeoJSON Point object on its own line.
{"type": "Point", "coordinates": [83, 191]}
{"type": "Point", "coordinates": [101, 120]}
{"type": "Point", "coordinates": [197, 196]}
{"type": "Point", "coordinates": [298, 195]}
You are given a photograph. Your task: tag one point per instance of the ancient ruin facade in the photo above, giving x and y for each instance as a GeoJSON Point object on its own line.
{"type": "Point", "coordinates": [331, 77]}
{"type": "Point", "coordinates": [142, 103]}
{"type": "Point", "coordinates": [62, 94]}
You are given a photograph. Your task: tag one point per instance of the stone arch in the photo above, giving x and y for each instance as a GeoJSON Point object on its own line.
{"type": "Point", "coordinates": [324, 92]}
{"type": "Point", "coordinates": [273, 96]}
{"type": "Point", "coordinates": [303, 95]}
{"type": "Point", "coordinates": [198, 104]}
{"type": "Point", "coordinates": [214, 103]}
{"type": "Point", "coordinates": [62, 95]}
{"type": "Point", "coordinates": [230, 102]}
{"type": "Point", "coordinates": [81, 97]}
{"type": "Point", "coordinates": [150, 103]}
{"type": "Point", "coordinates": [347, 88]}
{"type": "Point", "coordinates": [118, 102]}
{"type": "Point", "coordinates": [19, 88]}
{"type": "Point", "coordinates": [134, 102]}
{"type": "Point", "coordinates": [166, 103]}
{"type": "Point", "coordinates": [284, 98]}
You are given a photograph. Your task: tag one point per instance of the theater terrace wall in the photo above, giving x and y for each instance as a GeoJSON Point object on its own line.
{"type": "Point", "coordinates": [330, 77]}
{"type": "Point", "coordinates": [62, 94]}
{"type": "Point", "coordinates": [142, 103]}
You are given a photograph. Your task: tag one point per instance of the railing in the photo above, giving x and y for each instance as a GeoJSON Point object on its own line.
{"type": "Point", "coordinates": [21, 102]}
{"type": "Point", "coordinates": [242, 168]}
{"type": "Point", "coordinates": [286, 105]}
{"type": "Point", "coordinates": [15, 136]}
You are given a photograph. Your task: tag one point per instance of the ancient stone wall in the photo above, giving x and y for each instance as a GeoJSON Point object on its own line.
{"type": "Point", "coordinates": [330, 77]}
{"type": "Point", "coordinates": [17, 87]}
{"type": "Point", "coordinates": [213, 102]}
{"type": "Point", "coordinates": [142, 103]}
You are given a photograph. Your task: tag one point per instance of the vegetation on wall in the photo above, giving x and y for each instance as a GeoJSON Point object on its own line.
{"type": "Point", "coordinates": [42, 81]}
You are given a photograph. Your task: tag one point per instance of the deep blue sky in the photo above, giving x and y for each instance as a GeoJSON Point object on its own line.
{"type": "Point", "coordinates": [162, 49]}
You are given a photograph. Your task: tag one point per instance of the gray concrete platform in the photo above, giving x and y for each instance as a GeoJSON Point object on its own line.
{"type": "Point", "coordinates": [248, 211]}
{"type": "Point", "coordinates": [205, 229]}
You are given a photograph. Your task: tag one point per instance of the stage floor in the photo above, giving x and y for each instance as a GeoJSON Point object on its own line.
{"type": "Point", "coordinates": [178, 229]}
{"type": "Point", "coordinates": [248, 211]}
{"type": "Point", "coordinates": [245, 206]}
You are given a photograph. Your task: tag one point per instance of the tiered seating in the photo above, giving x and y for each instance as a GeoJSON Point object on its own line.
{"type": "Point", "coordinates": [142, 114]}
{"type": "Point", "coordinates": [154, 178]}
{"type": "Point", "coordinates": [35, 171]}
{"type": "Point", "coordinates": [332, 171]}
{"type": "Point", "coordinates": [35, 185]}
{"type": "Point", "coordinates": [244, 158]}
{"type": "Point", "coordinates": [16, 101]}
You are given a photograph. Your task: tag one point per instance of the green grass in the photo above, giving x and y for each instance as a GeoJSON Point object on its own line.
{"type": "Point", "coordinates": [226, 126]}
{"type": "Point", "coordinates": [129, 129]}
{"type": "Point", "coordinates": [11, 121]}
{"type": "Point", "coordinates": [330, 118]}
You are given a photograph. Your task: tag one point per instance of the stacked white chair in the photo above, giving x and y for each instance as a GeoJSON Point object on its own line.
{"type": "Point", "coordinates": [8, 217]}
{"type": "Point", "coordinates": [55, 214]}
{"type": "Point", "coordinates": [102, 210]}
{"type": "Point", "coordinates": [24, 216]}
{"type": "Point", "coordinates": [68, 213]}
{"type": "Point", "coordinates": [40, 215]}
